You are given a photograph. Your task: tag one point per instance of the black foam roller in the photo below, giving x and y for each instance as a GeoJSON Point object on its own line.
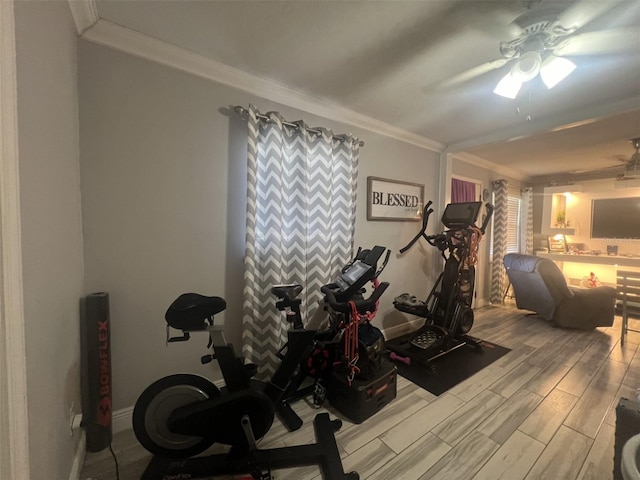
{"type": "Point", "coordinates": [96, 371]}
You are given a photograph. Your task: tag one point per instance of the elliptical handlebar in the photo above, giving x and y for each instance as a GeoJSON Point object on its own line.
{"type": "Point", "coordinates": [438, 238]}
{"type": "Point", "coordinates": [425, 221]}
{"type": "Point", "coordinates": [363, 305]}
{"type": "Point", "coordinates": [487, 218]}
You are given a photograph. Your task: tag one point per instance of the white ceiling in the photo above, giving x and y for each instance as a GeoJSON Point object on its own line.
{"type": "Point", "coordinates": [405, 63]}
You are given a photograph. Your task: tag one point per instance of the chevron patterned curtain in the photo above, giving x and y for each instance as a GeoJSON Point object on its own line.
{"type": "Point", "coordinates": [526, 224]}
{"type": "Point", "coordinates": [300, 223]}
{"type": "Point", "coordinates": [500, 220]}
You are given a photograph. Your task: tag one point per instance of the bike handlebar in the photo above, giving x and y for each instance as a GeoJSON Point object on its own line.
{"type": "Point", "coordinates": [364, 305]}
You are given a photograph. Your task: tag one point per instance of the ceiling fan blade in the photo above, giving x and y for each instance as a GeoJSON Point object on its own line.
{"type": "Point", "coordinates": [474, 72]}
{"type": "Point", "coordinates": [494, 17]}
{"type": "Point", "coordinates": [581, 12]}
{"type": "Point", "coordinates": [602, 42]}
{"type": "Point", "coordinates": [592, 170]}
{"type": "Point", "coordinates": [619, 158]}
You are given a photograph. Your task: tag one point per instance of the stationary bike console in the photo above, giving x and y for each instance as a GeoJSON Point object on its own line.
{"type": "Point", "coordinates": [357, 271]}
{"type": "Point", "coordinates": [362, 270]}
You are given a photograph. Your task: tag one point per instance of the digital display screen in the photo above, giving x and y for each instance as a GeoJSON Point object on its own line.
{"type": "Point", "coordinates": [355, 271]}
{"type": "Point", "coordinates": [461, 214]}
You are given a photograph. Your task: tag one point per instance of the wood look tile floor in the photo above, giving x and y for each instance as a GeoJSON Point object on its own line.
{"type": "Point", "coordinates": [546, 410]}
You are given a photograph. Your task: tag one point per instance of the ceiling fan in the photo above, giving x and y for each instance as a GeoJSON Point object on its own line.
{"type": "Point", "coordinates": [548, 32]}
{"type": "Point", "coordinates": [632, 167]}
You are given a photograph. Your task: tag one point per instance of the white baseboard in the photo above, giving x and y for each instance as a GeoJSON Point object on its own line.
{"type": "Point", "coordinates": [403, 328]}
{"type": "Point", "coordinates": [417, 322]}
{"type": "Point", "coordinates": [481, 302]}
{"type": "Point", "coordinates": [78, 460]}
{"type": "Point", "coordinates": [121, 420]}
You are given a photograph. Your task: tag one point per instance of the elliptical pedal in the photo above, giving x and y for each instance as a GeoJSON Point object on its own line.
{"type": "Point", "coordinates": [426, 340]}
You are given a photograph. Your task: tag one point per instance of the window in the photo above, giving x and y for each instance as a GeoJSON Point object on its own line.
{"type": "Point", "coordinates": [513, 231]}
{"type": "Point", "coordinates": [514, 202]}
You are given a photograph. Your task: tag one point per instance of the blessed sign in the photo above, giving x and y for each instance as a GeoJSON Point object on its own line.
{"type": "Point", "coordinates": [393, 199]}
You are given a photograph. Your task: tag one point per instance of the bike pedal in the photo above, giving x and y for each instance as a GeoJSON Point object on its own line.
{"type": "Point", "coordinates": [259, 474]}
{"type": "Point", "coordinates": [207, 359]}
{"type": "Point", "coordinates": [319, 395]}
{"type": "Point", "coordinates": [251, 369]}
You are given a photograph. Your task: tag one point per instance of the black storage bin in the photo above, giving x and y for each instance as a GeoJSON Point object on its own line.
{"type": "Point", "coordinates": [363, 398]}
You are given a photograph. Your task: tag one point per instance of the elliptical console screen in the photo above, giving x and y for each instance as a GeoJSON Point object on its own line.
{"type": "Point", "coordinates": [461, 214]}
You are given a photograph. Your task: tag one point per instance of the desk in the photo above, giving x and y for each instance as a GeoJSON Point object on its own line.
{"type": "Point", "coordinates": [604, 266]}
{"type": "Point", "coordinates": [613, 260]}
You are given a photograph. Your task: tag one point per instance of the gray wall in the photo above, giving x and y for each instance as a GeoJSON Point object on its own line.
{"type": "Point", "coordinates": [51, 228]}
{"type": "Point", "coordinates": [164, 193]}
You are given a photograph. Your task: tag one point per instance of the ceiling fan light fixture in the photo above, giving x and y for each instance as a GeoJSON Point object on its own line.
{"type": "Point", "coordinates": [524, 69]}
{"type": "Point", "coordinates": [527, 66]}
{"type": "Point", "coordinates": [508, 86]}
{"type": "Point", "coordinates": [555, 69]}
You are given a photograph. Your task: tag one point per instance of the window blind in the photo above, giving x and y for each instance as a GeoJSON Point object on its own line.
{"type": "Point", "coordinates": [513, 228]}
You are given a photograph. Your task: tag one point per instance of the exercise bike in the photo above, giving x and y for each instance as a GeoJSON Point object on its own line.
{"type": "Point", "coordinates": [182, 415]}
{"type": "Point", "coordinates": [447, 310]}
{"type": "Point", "coordinates": [331, 323]}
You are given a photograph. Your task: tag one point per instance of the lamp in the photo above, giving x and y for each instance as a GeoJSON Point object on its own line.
{"type": "Point", "coordinates": [523, 70]}
{"type": "Point", "coordinates": [508, 86]}
{"type": "Point", "coordinates": [555, 69]}
{"type": "Point", "coordinates": [527, 66]}
{"type": "Point", "coordinates": [552, 71]}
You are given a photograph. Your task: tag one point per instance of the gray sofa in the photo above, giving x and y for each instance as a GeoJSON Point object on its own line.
{"type": "Point", "coordinates": [540, 286]}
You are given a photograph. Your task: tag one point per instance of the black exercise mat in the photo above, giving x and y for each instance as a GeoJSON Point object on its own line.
{"type": "Point", "coordinates": [450, 369]}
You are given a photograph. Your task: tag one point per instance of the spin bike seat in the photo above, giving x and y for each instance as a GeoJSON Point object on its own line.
{"type": "Point", "coordinates": [190, 311]}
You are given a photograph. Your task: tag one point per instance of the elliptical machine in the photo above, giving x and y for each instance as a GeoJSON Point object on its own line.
{"type": "Point", "coordinates": [182, 415]}
{"type": "Point", "coordinates": [447, 310]}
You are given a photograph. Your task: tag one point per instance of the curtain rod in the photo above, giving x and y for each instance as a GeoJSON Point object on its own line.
{"type": "Point", "coordinates": [240, 110]}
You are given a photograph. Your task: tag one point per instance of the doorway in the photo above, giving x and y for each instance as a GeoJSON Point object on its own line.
{"type": "Point", "coordinates": [464, 189]}
{"type": "Point", "coordinates": [14, 454]}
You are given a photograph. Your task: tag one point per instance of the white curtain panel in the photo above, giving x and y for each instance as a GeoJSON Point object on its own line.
{"type": "Point", "coordinates": [500, 222]}
{"type": "Point", "coordinates": [300, 223]}
{"type": "Point", "coordinates": [526, 221]}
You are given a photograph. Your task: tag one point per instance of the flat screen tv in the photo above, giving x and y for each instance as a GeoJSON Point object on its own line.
{"type": "Point", "coordinates": [615, 218]}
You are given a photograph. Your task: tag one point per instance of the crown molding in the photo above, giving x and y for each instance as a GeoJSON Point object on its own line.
{"type": "Point", "coordinates": [84, 13]}
{"type": "Point", "coordinates": [135, 43]}
{"type": "Point", "coordinates": [494, 167]}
